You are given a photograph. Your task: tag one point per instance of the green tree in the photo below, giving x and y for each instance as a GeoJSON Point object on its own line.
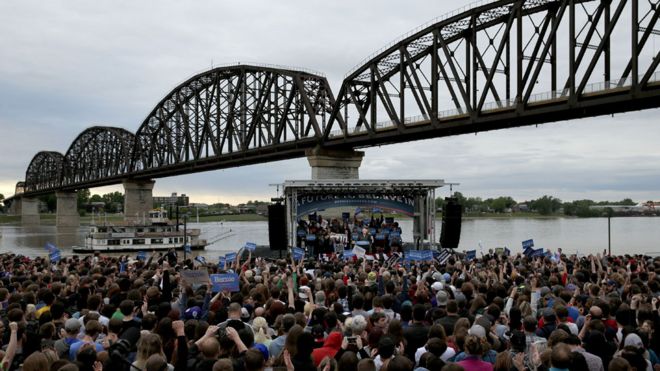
{"type": "Point", "coordinates": [546, 205]}
{"type": "Point", "coordinates": [96, 198]}
{"type": "Point", "coordinates": [111, 200]}
{"type": "Point", "coordinates": [50, 200]}
{"type": "Point", "coordinates": [83, 198]}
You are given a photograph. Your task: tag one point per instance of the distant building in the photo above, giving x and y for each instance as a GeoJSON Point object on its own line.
{"type": "Point", "coordinates": [174, 199]}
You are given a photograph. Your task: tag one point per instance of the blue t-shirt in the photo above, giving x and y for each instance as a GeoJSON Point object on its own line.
{"type": "Point", "coordinates": [75, 347]}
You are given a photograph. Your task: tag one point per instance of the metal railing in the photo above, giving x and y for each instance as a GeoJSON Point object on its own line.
{"type": "Point", "coordinates": [417, 29]}
{"type": "Point", "coordinates": [503, 104]}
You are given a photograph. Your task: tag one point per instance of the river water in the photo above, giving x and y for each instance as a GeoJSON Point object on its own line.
{"type": "Point", "coordinates": [629, 235]}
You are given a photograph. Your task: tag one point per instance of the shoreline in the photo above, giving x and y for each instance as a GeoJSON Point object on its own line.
{"type": "Point", "coordinates": [49, 219]}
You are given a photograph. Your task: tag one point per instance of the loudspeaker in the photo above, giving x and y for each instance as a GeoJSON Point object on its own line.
{"type": "Point", "coordinates": [451, 223]}
{"type": "Point", "coordinates": [277, 238]}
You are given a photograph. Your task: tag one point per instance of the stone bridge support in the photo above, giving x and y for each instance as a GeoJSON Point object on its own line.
{"type": "Point", "coordinates": [67, 209]}
{"type": "Point", "coordinates": [29, 211]}
{"type": "Point", "coordinates": [334, 164]}
{"type": "Point", "coordinates": [138, 199]}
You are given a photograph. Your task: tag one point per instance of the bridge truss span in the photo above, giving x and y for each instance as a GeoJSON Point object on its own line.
{"type": "Point", "coordinates": [231, 114]}
{"type": "Point", "coordinates": [503, 64]}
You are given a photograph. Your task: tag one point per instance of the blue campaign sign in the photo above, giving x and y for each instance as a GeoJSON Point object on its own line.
{"type": "Point", "coordinates": [362, 243]}
{"type": "Point", "coordinates": [357, 210]}
{"type": "Point", "coordinates": [54, 256]}
{"type": "Point", "coordinates": [389, 220]}
{"type": "Point", "coordinates": [221, 262]}
{"type": "Point", "coordinates": [413, 255]}
{"type": "Point", "coordinates": [355, 236]}
{"type": "Point", "coordinates": [348, 254]}
{"type": "Point", "coordinates": [141, 255]}
{"type": "Point", "coordinates": [345, 216]}
{"type": "Point", "coordinates": [298, 253]}
{"type": "Point", "coordinates": [251, 246]}
{"type": "Point", "coordinates": [507, 252]}
{"type": "Point", "coordinates": [537, 253]}
{"type": "Point", "coordinates": [225, 282]}
{"type": "Point", "coordinates": [427, 255]}
{"type": "Point", "coordinates": [230, 257]}
{"type": "Point", "coordinates": [301, 233]}
{"type": "Point", "coordinates": [380, 236]}
{"type": "Point", "coordinates": [187, 249]}
{"type": "Point", "coordinates": [394, 234]}
{"type": "Point", "coordinates": [310, 237]}
{"type": "Point", "coordinates": [372, 231]}
{"type": "Point", "coordinates": [376, 210]}
{"type": "Point", "coordinates": [527, 244]}
{"type": "Point", "coordinates": [50, 247]}
{"type": "Point", "coordinates": [200, 259]}
{"type": "Point", "coordinates": [472, 254]}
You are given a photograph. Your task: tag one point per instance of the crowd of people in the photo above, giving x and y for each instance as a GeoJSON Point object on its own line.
{"type": "Point", "coordinates": [493, 312]}
{"type": "Point", "coordinates": [376, 234]}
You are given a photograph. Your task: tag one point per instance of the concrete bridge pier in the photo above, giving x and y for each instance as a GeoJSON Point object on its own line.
{"type": "Point", "coordinates": [67, 209]}
{"type": "Point", "coordinates": [334, 164]}
{"type": "Point", "coordinates": [138, 199]}
{"type": "Point", "coordinates": [29, 211]}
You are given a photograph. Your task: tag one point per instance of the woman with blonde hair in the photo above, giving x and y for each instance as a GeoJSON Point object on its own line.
{"type": "Point", "coordinates": [260, 327]}
{"type": "Point", "coordinates": [148, 345]}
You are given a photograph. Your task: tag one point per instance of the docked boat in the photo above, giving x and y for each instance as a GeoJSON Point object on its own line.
{"type": "Point", "coordinates": [156, 232]}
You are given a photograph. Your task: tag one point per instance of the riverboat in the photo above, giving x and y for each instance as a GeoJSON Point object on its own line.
{"type": "Point", "coordinates": [155, 232]}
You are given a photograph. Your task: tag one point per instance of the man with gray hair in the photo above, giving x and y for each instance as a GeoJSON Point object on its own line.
{"type": "Point", "coordinates": [319, 299]}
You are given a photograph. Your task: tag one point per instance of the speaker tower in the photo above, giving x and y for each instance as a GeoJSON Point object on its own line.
{"type": "Point", "coordinates": [277, 238]}
{"type": "Point", "coordinates": [451, 223]}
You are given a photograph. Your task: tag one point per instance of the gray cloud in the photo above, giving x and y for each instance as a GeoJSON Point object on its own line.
{"type": "Point", "coordinates": [67, 65]}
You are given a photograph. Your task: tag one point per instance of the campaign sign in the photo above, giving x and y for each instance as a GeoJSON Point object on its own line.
{"type": "Point", "coordinates": [389, 220]}
{"type": "Point", "coordinates": [345, 216]}
{"type": "Point", "coordinates": [298, 253]}
{"type": "Point", "coordinates": [499, 251]}
{"type": "Point", "coordinates": [362, 243]}
{"type": "Point", "coordinates": [537, 253]}
{"type": "Point", "coordinates": [527, 244]}
{"type": "Point", "coordinates": [358, 251]}
{"type": "Point", "coordinates": [427, 255]}
{"type": "Point", "coordinates": [225, 282]}
{"type": "Point", "coordinates": [301, 232]}
{"type": "Point", "coordinates": [222, 261]}
{"type": "Point", "coordinates": [376, 210]}
{"type": "Point", "coordinates": [230, 257]}
{"type": "Point", "coordinates": [187, 249]}
{"type": "Point", "coordinates": [141, 255]}
{"type": "Point", "coordinates": [310, 237]}
{"type": "Point", "coordinates": [50, 247]}
{"type": "Point", "coordinates": [54, 256]}
{"type": "Point", "coordinates": [251, 246]}
{"type": "Point", "coordinates": [380, 236]}
{"type": "Point", "coordinates": [472, 254]}
{"type": "Point", "coordinates": [442, 256]}
{"type": "Point", "coordinates": [395, 234]}
{"type": "Point", "coordinates": [355, 236]}
{"type": "Point", "coordinates": [372, 231]}
{"type": "Point", "coordinates": [196, 277]}
{"type": "Point", "coordinates": [348, 254]}
{"type": "Point", "coordinates": [200, 259]}
{"type": "Point", "coordinates": [415, 255]}
{"type": "Point", "coordinates": [507, 252]}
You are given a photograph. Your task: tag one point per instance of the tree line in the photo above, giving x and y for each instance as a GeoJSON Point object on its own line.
{"type": "Point", "coordinates": [546, 205]}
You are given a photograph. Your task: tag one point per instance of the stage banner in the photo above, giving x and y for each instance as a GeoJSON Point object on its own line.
{"type": "Point", "coordinates": [311, 203]}
{"type": "Point", "coordinates": [348, 254]}
{"type": "Point", "coordinates": [225, 282]}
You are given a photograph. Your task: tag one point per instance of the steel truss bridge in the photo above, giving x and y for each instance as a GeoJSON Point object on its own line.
{"type": "Point", "coordinates": [491, 65]}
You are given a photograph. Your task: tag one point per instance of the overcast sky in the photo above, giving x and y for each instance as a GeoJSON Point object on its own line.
{"type": "Point", "coordinates": [67, 65]}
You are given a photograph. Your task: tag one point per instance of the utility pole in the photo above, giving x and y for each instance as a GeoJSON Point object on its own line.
{"type": "Point", "coordinates": [185, 235]}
